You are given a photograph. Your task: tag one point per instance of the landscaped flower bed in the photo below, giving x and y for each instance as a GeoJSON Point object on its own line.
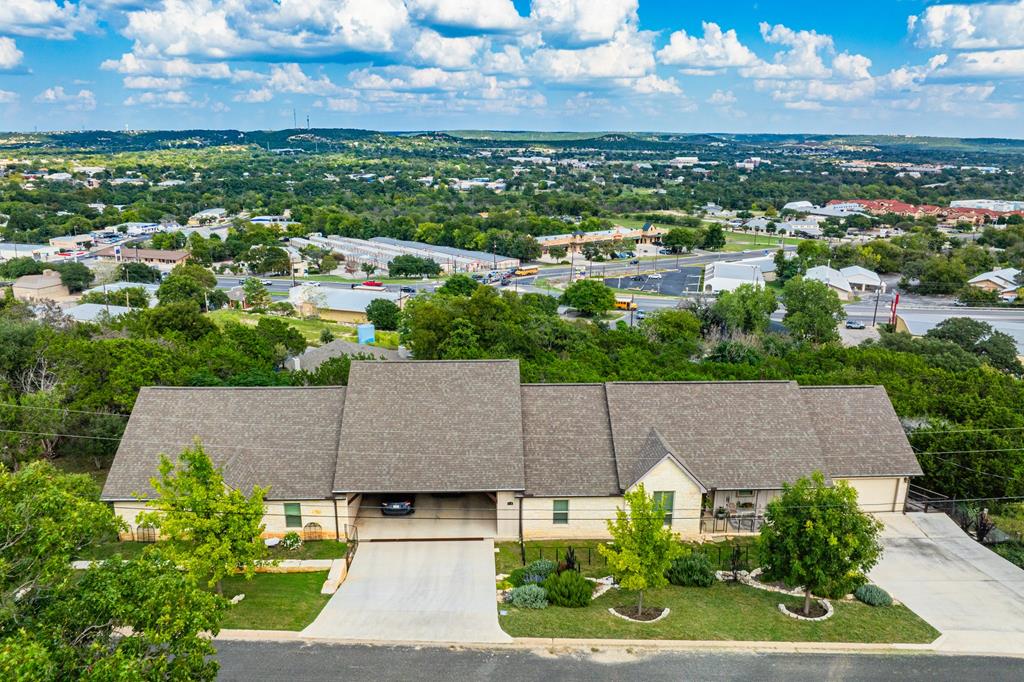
{"type": "Point", "coordinates": [720, 612]}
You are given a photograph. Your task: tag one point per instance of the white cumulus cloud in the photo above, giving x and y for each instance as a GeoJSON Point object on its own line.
{"type": "Point", "coordinates": [10, 55]}
{"type": "Point", "coordinates": [579, 22]}
{"type": "Point", "coordinates": [970, 26]}
{"type": "Point", "coordinates": [483, 15]}
{"type": "Point", "coordinates": [83, 100]}
{"type": "Point", "coordinates": [717, 49]}
{"type": "Point", "coordinates": [53, 19]}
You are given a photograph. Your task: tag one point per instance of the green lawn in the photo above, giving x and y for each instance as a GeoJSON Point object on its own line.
{"type": "Point", "coordinates": [592, 564]}
{"type": "Point", "coordinates": [310, 329]}
{"type": "Point", "coordinates": [720, 612]}
{"type": "Point", "coordinates": [275, 601]}
{"type": "Point", "coordinates": [321, 549]}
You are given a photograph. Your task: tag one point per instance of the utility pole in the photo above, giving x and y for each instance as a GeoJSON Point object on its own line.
{"type": "Point", "coordinates": [874, 317]}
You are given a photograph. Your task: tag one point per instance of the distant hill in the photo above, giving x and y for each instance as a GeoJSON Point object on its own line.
{"type": "Point", "coordinates": [326, 139]}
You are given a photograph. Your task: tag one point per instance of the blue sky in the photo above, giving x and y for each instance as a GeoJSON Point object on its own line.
{"type": "Point", "coordinates": [895, 66]}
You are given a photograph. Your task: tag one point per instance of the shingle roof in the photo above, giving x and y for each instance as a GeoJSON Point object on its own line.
{"type": "Point", "coordinates": [859, 431]}
{"type": "Point", "coordinates": [742, 434]}
{"type": "Point", "coordinates": [316, 356]}
{"type": "Point", "coordinates": [462, 426]}
{"type": "Point", "coordinates": [432, 427]}
{"type": "Point", "coordinates": [289, 436]}
{"type": "Point", "coordinates": [567, 440]}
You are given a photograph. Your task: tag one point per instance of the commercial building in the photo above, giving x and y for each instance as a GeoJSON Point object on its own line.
{"type": "Point", "coordinates": [36, 288]}
{"type": "Point", "coordinates": [575, 241]}
{"type": "Point", "coordinates": [338, 305]}
{"type": "Point", "coordinates": [527, 460]}
{"type": "Point", "coordinates": [730, 275]}
{"type": "Point", "coordinates": [1005, 282]}
{"type": "Point", "coordinates": [40, 252]}
{"type": "Point", "coordinates": [159, 258]}
{"type": "Point", "coordinates": [379, 251]}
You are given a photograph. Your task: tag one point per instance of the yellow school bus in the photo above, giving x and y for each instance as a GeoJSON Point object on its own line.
{"type": "Point", "coordinates": [625, 304]}
{"type": "Point", "coordinates": [524, 271]}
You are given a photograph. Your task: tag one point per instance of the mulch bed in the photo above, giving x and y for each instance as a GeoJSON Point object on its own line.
{"type": "Point", "coordinates": [817, 610]}
{"type": "Point", "coordinates": [648, 613]}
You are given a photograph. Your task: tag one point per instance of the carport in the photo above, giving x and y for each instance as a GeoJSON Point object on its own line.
{"type": "Point", "coordinates": [436, 517]}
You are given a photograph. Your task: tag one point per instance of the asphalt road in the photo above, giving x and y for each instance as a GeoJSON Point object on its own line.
{"type": "Point", "coordinates": [671, 282]}
{"type": "Point", "coordinates": [248, 661]}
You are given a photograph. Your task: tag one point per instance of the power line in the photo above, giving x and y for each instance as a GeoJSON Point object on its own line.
{"type": "Point", "coordinates": [211, 422]}
{"type": "Point", "coordinates": [207, 444]}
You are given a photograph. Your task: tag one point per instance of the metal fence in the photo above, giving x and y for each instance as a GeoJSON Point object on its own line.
{"type": "Point", "coordinates": [721, 555]}
{"type": "Point", "coordinates": [352, 538]}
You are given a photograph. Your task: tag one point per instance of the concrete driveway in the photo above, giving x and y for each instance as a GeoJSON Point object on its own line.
{"type": "Point", "coordinates": [967, 592]}
{"type": "Point", "coordinates": [415, 591]}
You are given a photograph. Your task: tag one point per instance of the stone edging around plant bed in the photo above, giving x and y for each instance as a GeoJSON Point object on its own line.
{"type": "Point", "coordinates": [633, 620]}
{"type": "Point", "coordinates": [825, 604]}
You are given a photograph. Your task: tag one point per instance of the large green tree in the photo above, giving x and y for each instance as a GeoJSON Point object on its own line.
{"type": "Point", "coordinates": [747, 309]}
{"type": "Point", "coordinates": [133, 620]}
{"type": "Point", "coordinates": [589, 296]}
{"type": "Point", "coordinates": [812, 310]}
{"type": "Point", "coordinates": [815, 536]}
{"type": "Point", "coordinates": [213, 530]}
{"type": "Point", "coordinates": [384, 314]}
{"type": "Point", "coordinates": [979, 338]}
{"type": "Point", "coordinates": [643, 546]}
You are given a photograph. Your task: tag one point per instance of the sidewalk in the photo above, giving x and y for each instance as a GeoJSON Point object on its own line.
{"type": "Point", "coordinates": [568, 645]}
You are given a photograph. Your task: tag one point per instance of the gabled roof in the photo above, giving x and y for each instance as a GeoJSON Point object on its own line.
{"type": "Point", "coordinates": [285, 438]}
{"type": "Point", "coordinates": [741, 434]}
{"type": "Point", "coordinates": [432, 427]}
{"type": "Point", "coordinates": [567, 440]}
{"type": "Point", "coordinates": [655, 451]}
{"type": "Point", "coordinates": [829, 276]}
{"type": "Point", "coordinates": [1005, 277]}
{"type": "Point", "coordinates": [860, 275]}
{"type": "Point", "coordinates": [859, 431]}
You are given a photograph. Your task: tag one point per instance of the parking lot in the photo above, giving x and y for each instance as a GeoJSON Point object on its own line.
{"type": "Point", "coordinates": [671, 282]}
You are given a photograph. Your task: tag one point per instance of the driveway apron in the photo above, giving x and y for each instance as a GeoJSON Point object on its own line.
{"type": "Point", "coordinates": [415, 591]}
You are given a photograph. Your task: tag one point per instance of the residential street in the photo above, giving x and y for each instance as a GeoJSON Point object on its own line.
{"type": "Point", "coordinates": [271, 661]}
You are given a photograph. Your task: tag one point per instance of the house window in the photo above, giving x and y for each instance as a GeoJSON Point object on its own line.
{"type": "Point", "coordinates": [744, 493]}
{"type": "Point", "coordinates": [292, 515]}
{"type": "Point", "coordinates": [560, 513]}
{"type": "Point", "coordinates": [666, 498]}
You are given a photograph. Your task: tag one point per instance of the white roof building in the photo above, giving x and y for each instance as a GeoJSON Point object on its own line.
{"type": "Point", "coordinates": [1002, 281]}
{"type": "Point", "coordinates": [150, 289]}
{"type": "Point", "coordinates": [833, 278]}
{"type": "Point", "coordinates": [93, 312]}
{"type": "Point", "coordinates": [862, 278]}
{"type": "Point", "coordinates": [728, 276]}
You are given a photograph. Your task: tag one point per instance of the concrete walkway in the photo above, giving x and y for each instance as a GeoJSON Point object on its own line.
{"type": "Point", "coordinates": [415, 591]}
{"type": "Point", "coordinates": [966, 591]}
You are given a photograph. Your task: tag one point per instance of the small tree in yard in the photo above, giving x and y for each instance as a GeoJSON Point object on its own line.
{"type": "Point", "coordinates": [643, 548]}
{"type": "Point", "coordinates": [815, 536]}
{"type": "Point", "coordinates": [383, 313]}
{"type": "Point", "coordinates": [212, 529]}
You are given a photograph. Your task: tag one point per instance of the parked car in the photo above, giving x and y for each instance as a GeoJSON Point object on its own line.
{"type": "Point", "coordinates": [407, 290]}
{"type": "Point", "coordinates": [397, 505]}
{"type": "Point", "coordinates": [637, 278]}
{"type": "Point", "coordinates": [313, 283]}
{"type": "Point", "coordinates": [654, 275]}
{"type": "Point", "coordinates": [854, 324]}
{"type": "Point", "coordinates": [640, 315]}
{"type": "Point", "coordinates": [266, 282]}
{"type": "Point", "coordinates": [372, 283]}
{"type": "Point", "coordinates": [664, 252]}
{"type": "Point", "coordinates": [634, 261]}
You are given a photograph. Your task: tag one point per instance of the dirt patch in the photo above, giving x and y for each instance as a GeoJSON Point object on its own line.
{"type": "Point", "coordinates": [777, 584]}
{"type": "Point", "coordinates": [649, 613]}
{"type": "Point", "coordinates": [817, 610]}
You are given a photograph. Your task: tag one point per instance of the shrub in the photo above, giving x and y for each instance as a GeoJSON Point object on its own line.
{"type": "Point", "coordinates": [692, 570]}
{"type": "Point", "coordinates": [503, 585]}
{"type": "Point", "coordinates": [569, 589]}
{"type": "Point", "coordinates": [873, 595]}
{"type": "Point", "coordinates": [516, 576]}
{"type": "Point", "coordinates": [291, 541]}
{"type": "Point", "coordinates": [528, 597]}
{"type": "Point", "coordinates": [541, 567]}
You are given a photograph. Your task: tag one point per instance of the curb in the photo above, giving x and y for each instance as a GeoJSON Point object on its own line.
{"type": "Point", "coordinates": [649, 645]}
